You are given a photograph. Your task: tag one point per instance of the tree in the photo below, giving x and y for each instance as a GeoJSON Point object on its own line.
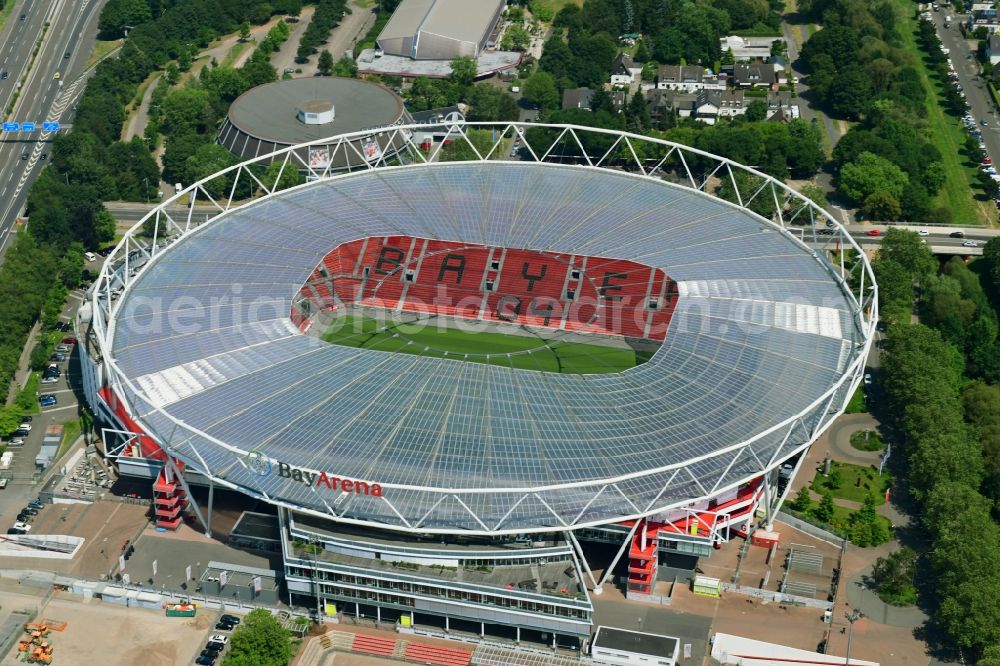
{"type": "Point", "coordinates": [637, 114]}
{"type": "Point", "coordinates": [893, 576]}
{"type": "Point", "coordinates": [458, 149]}
{"type": "Point", "coordinates": [516, 39]}
{"type": "Point", "coordinates": [290, 176]}
{"type": "Point", "coordinates": [880, 205]}
{"type": "Point", "coordinates": [118, 14]}
{"type": "Point", "coordinates": [991, 656]}
{"type": "Point", "coordinates": [540, 91]}
{"type": "Point", "coordinates": [870, 173]}
{"type": "Point", "coordinates": [487, 102]}
{"type": "Point", "coordinates": [814, 193]}
{"type": "Point", "coordinates": [325, 63]}
{"type": "Point", "coordinates": [244, 31]}
{"type": "Point", "coordinates": [756, 111]}
{"type": "Point", "coordinates": [210, 158]}
{"type": "Point", "coordinates": [866, 527]}
{"type": "Point", "coordinates": [463, 71]}
{"type": "Point", "coordinates": [188, 109]}
{"type": "Point", "coordinates": [802, 500]}
{"type": "Point", "coordinates": [259, 641]}
{"type": "Point", "coordinates": [825, 511]}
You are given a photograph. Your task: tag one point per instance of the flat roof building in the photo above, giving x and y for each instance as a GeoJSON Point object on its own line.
{"type": "Point", "coordinates": [293, 111]}
{"type": "Point", "coordinates": [440, 29]}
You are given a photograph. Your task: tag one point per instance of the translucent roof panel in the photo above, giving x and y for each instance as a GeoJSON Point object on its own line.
{"type": "Point", "coordinates": [762, 330]}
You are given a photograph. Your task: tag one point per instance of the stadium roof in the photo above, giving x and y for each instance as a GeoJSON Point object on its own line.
{"type": "Point", "coordinates": [762, 330]}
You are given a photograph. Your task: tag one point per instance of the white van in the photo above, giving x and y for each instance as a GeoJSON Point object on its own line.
{"type": "Point", "coordinates": [90, 256]}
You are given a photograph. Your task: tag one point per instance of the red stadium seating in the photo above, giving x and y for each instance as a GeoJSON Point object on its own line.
{"type": "Point", "coordinates": [383, 647]}
{"type": "Point", "coordinates": [439, 656]}
{"type": "Point", "coordinates": [587, 294]}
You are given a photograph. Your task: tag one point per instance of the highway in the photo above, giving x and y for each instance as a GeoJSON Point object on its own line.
{"type": "Point", "coordinates": [72, 30]}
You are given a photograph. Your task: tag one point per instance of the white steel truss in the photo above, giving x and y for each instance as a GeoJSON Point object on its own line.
{"type": "Point", "coordinates": [790, 213]}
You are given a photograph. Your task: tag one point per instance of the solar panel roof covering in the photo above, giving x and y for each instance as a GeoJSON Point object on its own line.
{"type": "Point", "coordinates": [216, 370]}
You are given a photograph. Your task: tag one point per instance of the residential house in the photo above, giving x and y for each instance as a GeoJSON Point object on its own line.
{"type": "Point", "coordinates": [747, 48]}
{"type": "Point", "coordinates": [625, 71]}
{"type": "Point", "coordinates": [577, 98]}
{"type": "Point", "coordinates": [687, 78]}
{"type": "Point", "coordinates": [731, 104]}
{"type": "Point", "coordinates": [993, 49]}
{"type": "Point", "coordinates": [984, 15]}
{"type": "Point", "coordinates": [754, 75]}
{"type": "Point", "coordinates": [664, 102]}
{"type": "Point", "coordinates": [780, 68]}
{"type": "Point", "coordinates": [781, 106]}
{"type": "Point", "coordinates": [706, 106]}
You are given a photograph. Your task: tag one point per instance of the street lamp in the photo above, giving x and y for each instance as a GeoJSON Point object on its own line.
{"type": "Point", "coordinates": [852, 617]}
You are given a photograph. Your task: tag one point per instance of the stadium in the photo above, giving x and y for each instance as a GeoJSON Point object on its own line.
{"type": "Point", "coordinates": [457, 381]}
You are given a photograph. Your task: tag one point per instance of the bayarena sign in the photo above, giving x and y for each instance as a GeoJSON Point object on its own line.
{"type": "Point", "coordinates": [261, 465]}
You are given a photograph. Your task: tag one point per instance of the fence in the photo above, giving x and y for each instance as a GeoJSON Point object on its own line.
{"type": "Point", "coordinates": [810, 529]}
{"type": "Point", "coordinates": [781, 598]}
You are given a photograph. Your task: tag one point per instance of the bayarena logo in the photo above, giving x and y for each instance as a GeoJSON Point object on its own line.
{"type": "Point", "coordinates": [261, 465]}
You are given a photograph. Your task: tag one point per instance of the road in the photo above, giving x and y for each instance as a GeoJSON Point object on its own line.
{"type": "Point", "coordinates": [67, 45]}
{"type": "Point", "coordinates": [976, 93]}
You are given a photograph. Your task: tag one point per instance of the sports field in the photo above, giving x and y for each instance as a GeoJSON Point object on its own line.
{"type": "Point", "coordinates": [515, 351]}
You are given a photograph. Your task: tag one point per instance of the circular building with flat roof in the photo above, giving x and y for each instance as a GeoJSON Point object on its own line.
{"type": "Point", "coordinates": [290, 112]}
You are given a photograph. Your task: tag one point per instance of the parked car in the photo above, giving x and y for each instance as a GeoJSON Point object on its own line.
{"type": "Point", "coordinates": [224, 626]}
{"type": "Point", "coordinates": [230, 619]}
{"type": "Point", "coordinates": [48, 400]}
{"type": "Point", "coordinates": [22, 526]}
{"type": "Point", "coordinates": [15, 441]}
{"type": "Point", "coordinates": [970, 243]}
{"type": "Point", "coordinates": [25, 427]}
{"type": "Point", "coordinates": [37, 504]}
{"type": "Point", "coordinates": [205, 660]}
{"type": "Point", "coordinates": [51, 379]}
{"type": "Point", "coordinates": [62, 348]}
{"type": "Point", "coordinates": [219, 638]}
{"type": "Point", "coordinates": [57, 357]}
{"type": "Point", "coordinates": [20, 432]}
{"type": "Point", "coordinates": [14, 530]}
{"type": "Point", "coordinates": [68, 340]}
{"type": "Point", "coordinates": [874, 232]}
{"type": "Point", "coordinates": [31, 510]}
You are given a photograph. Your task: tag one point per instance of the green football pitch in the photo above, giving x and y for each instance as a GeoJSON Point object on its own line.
{"type": "Point", "coordinates": [515, 351]}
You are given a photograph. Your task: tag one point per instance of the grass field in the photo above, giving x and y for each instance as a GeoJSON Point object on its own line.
{"type": "Point", "coordinates": [947, 134]}
{"type": "Point", "coordinates": [235, 52]}
{"type": "Point", "coordinates": [516, 351]}
{"type": "Point", "coordinates": [856, 483]}
{"type": "Point", "coordinates": [103, 48]}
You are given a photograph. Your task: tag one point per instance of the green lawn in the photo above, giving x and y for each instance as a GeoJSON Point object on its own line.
{"type": "Point", "coordinates": [856, 482]}
{"type": "Point", "coordinates": [234, 53]}
{"type": "Point", "coordinates": [102, 48]}
{"type": "Point", "coordinates": [515, 351]}
{"type": "Point", "coordinates": [71, 430]}
{"type": "Point", "coordinates": [867, 440]}
{"type": "Point", "coordinates": [946, 133]}
{"type": "Point", "coordinates": [857, 404]}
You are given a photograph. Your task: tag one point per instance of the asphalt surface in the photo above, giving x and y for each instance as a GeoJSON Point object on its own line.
{"type": "Point", "coordinates": [72, 29]}
{"type": "Point", "coordinates": [976, 93]}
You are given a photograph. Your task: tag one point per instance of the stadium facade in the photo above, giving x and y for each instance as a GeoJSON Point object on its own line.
{"type": "Point", "coordinates": [460, 488]}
